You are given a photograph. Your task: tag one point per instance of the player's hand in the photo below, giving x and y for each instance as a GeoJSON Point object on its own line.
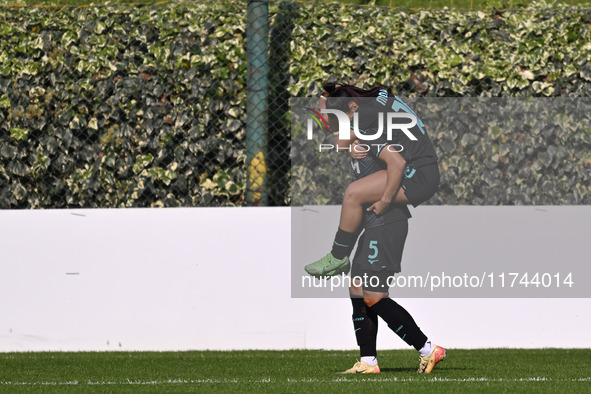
{"type": "Point", "coordinates": [357, 153]}
{"type": "Point", "coordinates": [379, 207]}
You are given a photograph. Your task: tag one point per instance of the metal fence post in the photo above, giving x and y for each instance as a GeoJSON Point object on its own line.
{"type": "Point", "coordinates": [257, 49]}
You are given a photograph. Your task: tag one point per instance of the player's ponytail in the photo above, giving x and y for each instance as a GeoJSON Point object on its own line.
{"type": "Point", "coordinates": [336, 89]}
{"type": "Point", "coordinates": [339, 90]}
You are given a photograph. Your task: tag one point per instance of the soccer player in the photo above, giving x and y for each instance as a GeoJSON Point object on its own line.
{"type": "Point", "coordinates": [388, 180]}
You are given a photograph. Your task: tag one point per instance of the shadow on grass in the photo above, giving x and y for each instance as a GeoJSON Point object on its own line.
{"type": "Point", "coordinates": [414, 370]}
{"type": "Point", "coordinates": [398, 370]}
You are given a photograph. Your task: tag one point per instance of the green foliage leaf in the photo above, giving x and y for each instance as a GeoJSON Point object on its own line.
{"type": "Point", "coordinates": [118, 105]}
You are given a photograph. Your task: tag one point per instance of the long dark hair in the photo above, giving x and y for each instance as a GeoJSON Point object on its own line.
{"type": "Point", "coordinates": [336, 91]}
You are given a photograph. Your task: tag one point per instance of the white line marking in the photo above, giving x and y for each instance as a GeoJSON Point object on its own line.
{"type": "Point", "coordinates": [290, 380]}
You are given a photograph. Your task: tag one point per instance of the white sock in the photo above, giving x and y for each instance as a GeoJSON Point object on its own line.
{"type": "Point", "coordinates": [370, 360]}
{"type": "Point", "coordinates": [427, 349]}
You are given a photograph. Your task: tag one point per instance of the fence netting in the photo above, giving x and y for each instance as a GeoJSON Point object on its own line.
{"type": "Point", "coordinates": [146, 105]}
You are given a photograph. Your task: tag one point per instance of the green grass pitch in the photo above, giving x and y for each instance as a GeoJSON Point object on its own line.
{"type": "Point", "coordinates": [487, 370]}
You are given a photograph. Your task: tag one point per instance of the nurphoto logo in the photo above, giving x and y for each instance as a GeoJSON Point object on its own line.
{"type": "Point", "coordinates": [345, 128]}
{"type": "Point", "coordinates": [345, 124]}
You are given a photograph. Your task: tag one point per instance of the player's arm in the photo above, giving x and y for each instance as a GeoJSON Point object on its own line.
{"type": "Point", "coordinates": [343, 144]}
{"type": "Point", "coordinates": [351, 145]}
{"type": "Point", "coordinates": [346, 144]}
{"type": "Point", "coordinates": [395, 168]}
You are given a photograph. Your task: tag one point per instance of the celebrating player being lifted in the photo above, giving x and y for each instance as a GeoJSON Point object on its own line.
{"type": "Point", "coordinates": [385, 181]}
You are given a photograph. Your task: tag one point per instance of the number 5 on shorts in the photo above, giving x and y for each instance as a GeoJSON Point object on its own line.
{"type": "Point", "coordinates": [373, 245]}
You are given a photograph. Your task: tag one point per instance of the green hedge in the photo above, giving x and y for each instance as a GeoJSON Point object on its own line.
{"type": "Point", "coordinates": [445, 53]}
{"type": "Point", "coordinates": [492, 151]}
{"type": "Point", "coordinates": [122, 106]}
{"type": "Point", "coordinates": [145, 106]}
{"type": "Point", "coordinates": [428, 53]}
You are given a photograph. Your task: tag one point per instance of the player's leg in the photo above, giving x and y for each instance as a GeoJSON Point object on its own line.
{"type": "Point", "coordinates": [388, 244]}
{"type": "Point", "coordinates": [403, 324]}
{"type": "Point", "coordinates": [365, 322]}
{"type": "Point", "coordinates": [365, 325]}
{"type": "Point", "coordinates": [365, 190]}
{"type": "Point", "coordinates": [420, 185]}
{"type": "Point", "coordinates": [397, 318]}
{"type": "Point", "coordinates": [417, 186]}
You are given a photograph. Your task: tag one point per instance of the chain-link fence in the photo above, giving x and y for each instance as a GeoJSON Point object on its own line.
{"type": "Point", "coordinates": [148, 105]}
{"type": "Point", "coordinates": [123, 106]}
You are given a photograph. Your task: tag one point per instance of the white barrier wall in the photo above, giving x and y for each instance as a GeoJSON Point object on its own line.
{"type": "Point", "coordinates": [219, 278]}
